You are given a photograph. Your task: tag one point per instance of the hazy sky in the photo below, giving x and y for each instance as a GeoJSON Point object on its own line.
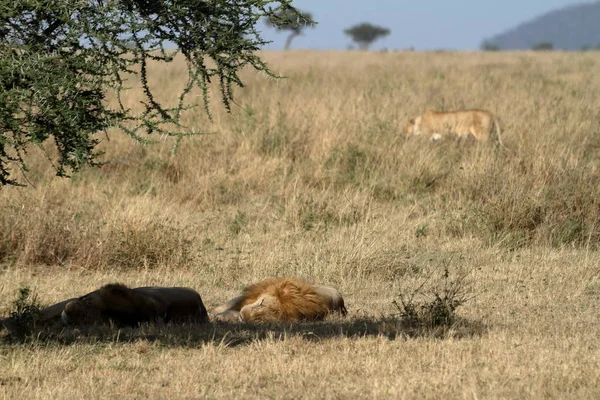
{"type": "Point", "coordinates": [451, 24]}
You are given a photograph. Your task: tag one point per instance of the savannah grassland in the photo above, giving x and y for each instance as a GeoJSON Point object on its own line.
{"type": "Point", "coordinates": [311, 176]}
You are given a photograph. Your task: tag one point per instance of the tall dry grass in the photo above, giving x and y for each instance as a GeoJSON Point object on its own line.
{"type": "Point", "coordinates": [311, 176]}
{"type": "Point", "coordinates": [323, 151]}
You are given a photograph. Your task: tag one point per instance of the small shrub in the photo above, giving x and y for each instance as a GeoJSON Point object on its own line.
{"type": "Point", "coordinates": [22, 318]}
{"type": "Point", "coordinates": [431, 309]}
{"type": "Point", "coordinates": [421, 231]}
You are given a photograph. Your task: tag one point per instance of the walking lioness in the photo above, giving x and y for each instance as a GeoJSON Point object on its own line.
{"type": "Point", "coordinates": [434, 125]}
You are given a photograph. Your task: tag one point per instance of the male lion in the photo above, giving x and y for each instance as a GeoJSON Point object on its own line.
{"type": "Point", "coordinates": [281, 300]}
{"type": "Point", "coordinates": [129, 307]}
{"type": "Point", "coordinates": [434, 125]}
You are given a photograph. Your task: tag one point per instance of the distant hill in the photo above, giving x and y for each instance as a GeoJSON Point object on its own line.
{"type": "Point", "coordinates": [569, 28]}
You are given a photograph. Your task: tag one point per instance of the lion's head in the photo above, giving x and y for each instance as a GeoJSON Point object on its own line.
{"type": "Point", "coordinates": [266, 309]}
{"type": "Point", "coordinates": [285, 300]}
{"type": "Point", "coordinates": [84, 310]}
{"type": "Point", "coordinates": [413, 127]}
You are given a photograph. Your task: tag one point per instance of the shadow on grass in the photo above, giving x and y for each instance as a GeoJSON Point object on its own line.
{"type": "Point", "coordinates": [239, 334]}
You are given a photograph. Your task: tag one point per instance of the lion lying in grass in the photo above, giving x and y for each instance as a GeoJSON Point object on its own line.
{"type": "Point", "coordinates": [129, 307]}
{"type": "Point", "coordinates": [434, 125]}
{"type": "Point", "coordinates": [281, 300]}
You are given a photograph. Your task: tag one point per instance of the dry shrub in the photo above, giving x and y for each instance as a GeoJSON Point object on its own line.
{"type": "Point", "coordinates": [22, 319]}
{"type": "Point", "coordinates": [431, 307]}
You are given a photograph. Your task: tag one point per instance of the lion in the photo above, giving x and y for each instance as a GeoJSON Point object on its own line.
{"type": "Point", "coordinates": [281, 300]}
{"type": "Point", "coordinates": [434, 125]}
{"type": "Point", "coordinates": [129, 307]}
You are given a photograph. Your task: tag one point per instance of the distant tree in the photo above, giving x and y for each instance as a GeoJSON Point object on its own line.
{"type": "Point", "coordinates": [292, 21]}
{"type": "Point", "coordinates": [59, 60]}
{"type": "Point", "coordinates": [365, 34]}
{"type": "Point", "coordinates": [597, 47]}
{"type": "Point", "coordinates": [487, 46]}
{"type": "Point", "coordinates": [543, 46]}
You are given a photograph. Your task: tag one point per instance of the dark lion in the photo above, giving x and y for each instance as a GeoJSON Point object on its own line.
{"type": "Point", "coordinates": [281, 300]}
{"type": "Point", "coordinates": [129, 307]}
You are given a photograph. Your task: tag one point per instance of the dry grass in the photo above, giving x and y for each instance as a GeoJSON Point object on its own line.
{"type": "Point", "coordinates": [311, 177]}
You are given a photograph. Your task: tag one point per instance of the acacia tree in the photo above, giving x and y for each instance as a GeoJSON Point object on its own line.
{"type": "Point", "coordinates": [488, 46]}
{"type": "Point", "coordinates": [365, 34]}
{"type": "Point", "coordinates": [290, 20]}
{"type": "Point", "coordinates": [543, 46]}
{"type": "Point", "coordinates": [59, 58]}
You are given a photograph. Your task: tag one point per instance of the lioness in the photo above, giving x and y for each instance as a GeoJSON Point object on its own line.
{"type": "Point", "coordinates": [434, 125]}
{"type": "Point", "coordinates": [281, 300]}
{"type": "Point", "coordinates": [129, 307]}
